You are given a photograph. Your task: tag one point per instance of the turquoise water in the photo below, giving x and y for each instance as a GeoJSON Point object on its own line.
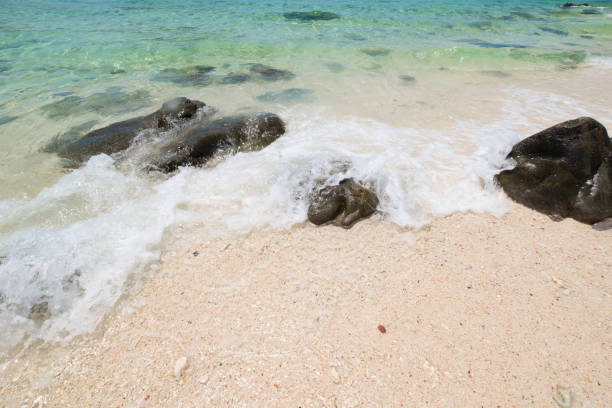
{"type": "Point", "coordinates": [49, 47]}
{"type": "Point", "coordinates": [366, 94]}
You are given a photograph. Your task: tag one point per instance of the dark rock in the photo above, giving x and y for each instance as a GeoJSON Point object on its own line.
{"type": "Point", "coordinates": [376, 52]}
{"type": "Point", "coordinates": [343, 205]}
{"type": "Point", "coordinates": [563, 171]}
{"type": "Point", "coordinates": [310, 15]}
{"type": "Point", "coordinates": [200, 142]}
{"type": "Point", "coordinates": [119, 136]}
{"type": "Point", "coordinates": [566, 5]}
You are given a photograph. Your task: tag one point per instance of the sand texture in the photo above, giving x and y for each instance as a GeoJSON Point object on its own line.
{"type": "Point", "coordinates": [477, 311]}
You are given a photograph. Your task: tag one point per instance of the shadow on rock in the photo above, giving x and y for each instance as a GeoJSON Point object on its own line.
{"type": "Point", "coordinates": [563, 171]}
{"type": "Point", "coordinates": [343, 205]}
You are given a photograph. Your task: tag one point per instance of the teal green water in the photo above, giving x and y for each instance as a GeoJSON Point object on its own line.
{"type": "Point", "coordinates": [50, 47]}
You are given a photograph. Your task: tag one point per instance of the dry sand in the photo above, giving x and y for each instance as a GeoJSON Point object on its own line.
{"type": "Point", "coordinates": [478, 311]}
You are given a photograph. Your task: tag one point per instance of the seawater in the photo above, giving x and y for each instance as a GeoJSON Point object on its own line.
{"type": "Point", "coordinates": [419, 100]}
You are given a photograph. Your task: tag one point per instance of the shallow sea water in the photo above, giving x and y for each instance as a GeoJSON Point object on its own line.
{"type": "Point", "coordinates": [419, 100]}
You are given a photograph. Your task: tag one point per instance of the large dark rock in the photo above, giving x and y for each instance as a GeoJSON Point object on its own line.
{"type": "Point", "coordinates": [310, 15]}
{"type": "Point", "coordinates": [564, 171]}
{"type": "Point", "coordinates": [342, 205]}
{"type": "Point", "coordinates": [201, 141]}
{"type": "Point", "coordinates": [119, 136]}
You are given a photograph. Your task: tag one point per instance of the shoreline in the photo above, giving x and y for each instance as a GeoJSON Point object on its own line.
{"type": "Point", "coordinates": [478, 310]}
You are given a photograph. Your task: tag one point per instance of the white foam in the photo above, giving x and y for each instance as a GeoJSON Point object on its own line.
{"type": "Point", "coordinates": [76, 244]}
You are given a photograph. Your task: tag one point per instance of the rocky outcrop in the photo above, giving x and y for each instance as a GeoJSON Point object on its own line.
{"type": "Point", "coordinates": [201, 141]}
{"type": "Point", "coordinates": [119, 136]}
{"type": "Point", "coordinates": [563, 171]}
{"type": "Point", "coordinates": [343, 204]}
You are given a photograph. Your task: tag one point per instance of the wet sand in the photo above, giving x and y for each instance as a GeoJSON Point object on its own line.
{"type": "Point", "coordinates": [476, 310]}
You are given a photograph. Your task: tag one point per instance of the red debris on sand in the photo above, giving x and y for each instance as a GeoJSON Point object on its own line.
{"type": "Point", "coordinates": [381, 328]}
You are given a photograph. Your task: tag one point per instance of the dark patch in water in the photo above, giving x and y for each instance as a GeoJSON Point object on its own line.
{"type": "Point", "coordinates": [117, 71]}
{"type": "Point", "coordinates": [496, 74]}
{"type": "Point", "coordinates": [267, 73]}
{"type": "Point", "coordinates": [232, 78]}
{"type": "Point", "coordinates": [482, 25]}
{"type": "Point", "coordinates": [554, 31]}
{"type": "Point", "coordinates": [310, 15]}
{"type": "Point", "coordinates": [486, 44]}
{"type": "Point", "coordinates": [111, 102]}
{"type": "Point", "coordinates": [354, 37]}
{"type": "Point", "coordinates": [287, 96]}
{"type": "Point", "coordinates": [6, 119]}
{"type": "Point", "coordinates": [588, 37]}
{"type": "Point", "coordinates": [189, 76]}
{"type": "Point", "coordinates": [376, 52]}
{"type": "Point", "coordinates": [592, 11]}
{"type": "Point", "coordinates": [526, 16]}
{"type": "Point", "coordinates": [335, 67]}
{"type": "Point", "coordinates": [62, 94]}
{"type": "Point", "coordinates": [407, 79]}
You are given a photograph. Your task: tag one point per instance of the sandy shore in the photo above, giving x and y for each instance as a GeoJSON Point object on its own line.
{"type": "Point", "coordinates": [478, 311]}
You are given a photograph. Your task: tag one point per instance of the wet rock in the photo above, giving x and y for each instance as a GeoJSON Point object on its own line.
{"type": "Point", "coordinates": [39, 312]}
{"type": "Point", "coordinates": [311, 15]}
{"type": "Point", "coordinates": [376, 52]}
{"type": "Point", "coordinates": [567, 5]}
{"type": "Point", "coordinates": [563, 171]}
{"type": "Point", "coordinates": [119, 136]}
{"type": "Point", "coordinates": [342, 205]}
{"type": "Point", "coordinates": [200, 142]}
{"type": "Point", "coordinates": [292, 95]}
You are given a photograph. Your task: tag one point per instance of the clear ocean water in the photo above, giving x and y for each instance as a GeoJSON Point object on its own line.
{"type": "Point", "coordinates": [73, 239]}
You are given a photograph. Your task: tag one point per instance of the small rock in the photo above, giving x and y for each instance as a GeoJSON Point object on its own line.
{"type": "Point", "coordinates": [563, 396]}
{"type": "Point", "coordinates": [38, 402]}
{"type": "Point", "coordinates": [382, 329]}
{"type": "Point", "coordinates": [334, 375]}
{"type": "Point", "coordinates": [203, 379]}
{"type": "Point", "coordinates": [180, 366]}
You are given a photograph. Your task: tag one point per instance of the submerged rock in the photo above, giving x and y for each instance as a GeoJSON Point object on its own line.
{"type": "Point", "coordinates": [198, 143]}
{"type": "Point", "coordinates": [376, 52]}
{"type": "Point", "coordinates": [343, 205]}
{"type": "Point", "coordinates": [566, 5]}
{"type": "Point", "coordinates": [267, 73]}
{"type": "Point", "coordinates": [292, 95]}
{"type": "Point", "coordinates": [119, 136]}
{"type": "Point", "coordinates": [197, 75]}
{"type": "Point", "coordinates": [311, 15]}
{"type": "Point", "coordinates": [563, 171]}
